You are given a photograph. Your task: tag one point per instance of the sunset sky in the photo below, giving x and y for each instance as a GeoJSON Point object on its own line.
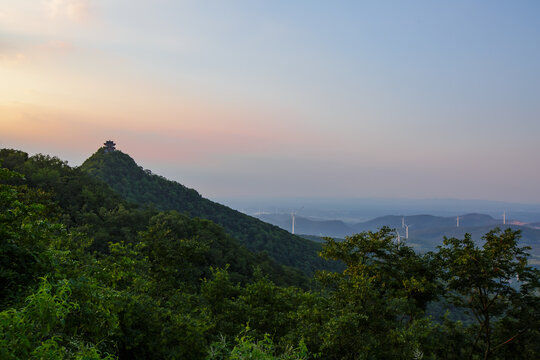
{"type": "Point", "coordinates": [415, 99]}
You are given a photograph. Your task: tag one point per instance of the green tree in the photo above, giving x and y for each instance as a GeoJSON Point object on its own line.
{"type": "Point", "coordinates": [25, 236]}
{"type": "Point", "coordinates": [39, 330]}
{"type": "Point", "coordinates": [376, 305]}
{"type": "Point", "coordinates": [246, 346]}
{"type": "Point", "coordinates": [492, 281]}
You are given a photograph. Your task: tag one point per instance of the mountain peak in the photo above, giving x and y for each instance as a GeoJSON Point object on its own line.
{"type": "Point", "coordinates": [108, 163]}
{"type": "Point", "coordinates": [137, 185]}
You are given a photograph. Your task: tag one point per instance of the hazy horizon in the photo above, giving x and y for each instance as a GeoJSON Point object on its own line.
{"type": "Point", "coordinates": [362, 209]}
{"type": "Point", "coordinates": [418, 100]}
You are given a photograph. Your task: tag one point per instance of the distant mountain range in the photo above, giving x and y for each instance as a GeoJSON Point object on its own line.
{"type": "Point", "coordinates": [426, 232]}
{"type": "Point", "coordinates": [338, 228]}
{"type": "Point", "coordinates": [353, 210]}
{"type": "Point", "coordinates": [307, 226]}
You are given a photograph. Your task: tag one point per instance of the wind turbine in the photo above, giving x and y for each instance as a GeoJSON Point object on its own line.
{"type": "Point", "coordinates": [402, 222]}
{"type": "Point", "coordinates": [457, 221]}
{"type": "Point", "coordinates": [407, 231]}
{"type": "Point", "coordinates": [504, 217]}
{"type": "Point", "coordinates": [293, 214]}
{"type": "Point", "coordinates": [398, 237]}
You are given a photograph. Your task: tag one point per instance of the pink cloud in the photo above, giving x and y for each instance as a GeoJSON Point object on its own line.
{"type": "Point", "coordinates": [56, 46]}
{"type": "Point", "coordinates": [14, 55]}
{"type": "Point", "coordinates": [178, 141]}
{"type": "Point", "coordinates": [13, 59]}
{"type": "Point", "coordinates": [75, 10]}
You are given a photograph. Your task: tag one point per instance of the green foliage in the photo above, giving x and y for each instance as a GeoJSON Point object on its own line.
{"type": "Point", "coordinates": [72, 189]}
{"type": "Point", "coordinates": [376, 260]}
{"type": "Point", "coordinates": [134, 291]}
{"type": "Point", "coordinates": [220, 296]}
{"type": "Point", "coordinates": [87, 205]}
{"type": "Point", "coordinates": [383, 290]}
{"type": "Point", "coordinates": [269, 309]}
{"type": "Point", "coordinates": [25, 235]}
{"type": "Point", "coordinates": [140, 186]}
{"type": "Point", "coordinates": [83, 202]}
{"type": "Point", "coordinates": [121, 281]}
{"type": "Point", "coordinates": [246, 346]}
{"type": "Point", "coordinates": [39, 331]}
{"type": "Point", "coordinates": [496, 284]}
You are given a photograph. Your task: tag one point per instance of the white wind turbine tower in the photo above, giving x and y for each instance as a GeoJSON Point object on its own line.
{"type": "Point", "coordinates": [407, 231]}
{"type": "Point", "coordinates": [504, 217]}
{"type": "Point", "coordinates": [402, 222]}
{"type": "Point", "coordinates": [457, 221]}
{"type": "Point", "coordinates": [293, 214]}
{"type": "Point", "coordinates": [398, 237]}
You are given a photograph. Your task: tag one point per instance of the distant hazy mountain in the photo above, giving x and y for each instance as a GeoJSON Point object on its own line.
{"type": "Point", "coordinates": [426, 232]}
{"type": "Point", "coordinates": [429, 238]}
{"type": "Point", "coordinates": [417, 222]}
{"type": "Point", "coordinates": [308, 226]}
{"type": "Point", "coordinates": [353, 210]}
{"type": "Point", "coordinates": [338, 228]}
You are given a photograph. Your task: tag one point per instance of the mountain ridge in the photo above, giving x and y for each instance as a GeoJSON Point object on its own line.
{"type": "Point", "coordinates": [339, 228]}
{"type": "Point", "coordinates": [140, 186]}
{"type": "Point", "coordinates": [426, 232]}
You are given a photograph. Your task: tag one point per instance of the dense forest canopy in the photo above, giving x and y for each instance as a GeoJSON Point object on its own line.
{"type": "Point", "coordinates": [90, 269]}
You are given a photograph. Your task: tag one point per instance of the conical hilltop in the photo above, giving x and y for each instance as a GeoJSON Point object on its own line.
{"type": "Point", "coordinates": [140, 186]}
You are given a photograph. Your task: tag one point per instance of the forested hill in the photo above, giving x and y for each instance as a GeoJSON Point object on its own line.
{"type": "Point", "coordinates": [89, 206]}
{"type": "Point", "coordinates": [85, 274]}
{"type": "Point", "coordinates": [135, 184]}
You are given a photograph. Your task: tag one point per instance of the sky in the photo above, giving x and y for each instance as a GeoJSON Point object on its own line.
{"type": "Point", "coordinates": [348, 99]}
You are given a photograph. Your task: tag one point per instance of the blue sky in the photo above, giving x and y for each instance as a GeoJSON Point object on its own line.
{"type": "Point", "coordinates": [417, 99]}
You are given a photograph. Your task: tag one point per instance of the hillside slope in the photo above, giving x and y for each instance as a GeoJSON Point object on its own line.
{"type": "Point", "coordinates": [122, 174]}
{"type": "Point", "coordinates": [89, 206]}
